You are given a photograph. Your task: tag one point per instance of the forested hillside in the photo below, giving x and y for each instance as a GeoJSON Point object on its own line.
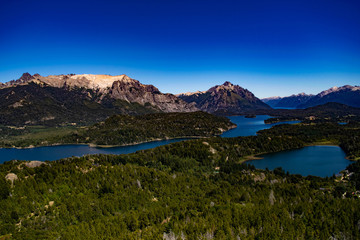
{"type": "Point", "coordinates": [187, 190]}
{"type": "Point", "coordinates": [121, 130]}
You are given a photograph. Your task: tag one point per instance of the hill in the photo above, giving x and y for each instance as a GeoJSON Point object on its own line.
{"type": "Point", "coordinates": [188, 190]}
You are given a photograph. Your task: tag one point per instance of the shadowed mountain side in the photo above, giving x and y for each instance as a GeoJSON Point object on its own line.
{"type": "Point", "coordinates": [225, 99]}
{"type": "Point", "coordinates": [80, 99]}
{"type": "Point", "coordinates": [349, 95]}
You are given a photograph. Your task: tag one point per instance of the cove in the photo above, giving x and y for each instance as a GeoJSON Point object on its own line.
{"type": "Point", "coordinates": [322, 161]}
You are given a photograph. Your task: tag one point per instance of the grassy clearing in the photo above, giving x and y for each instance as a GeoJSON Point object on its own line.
{"type": "Point", "coordinates": [35, 136]}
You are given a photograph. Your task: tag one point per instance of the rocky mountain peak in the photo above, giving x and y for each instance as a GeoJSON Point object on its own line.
{"type": "Point", "coordinates": [26, 77]}
{"type": "Point", "coordinates": [337, 89]}
{"type": "Point", "coordinates": [190, 93]}
{"type": "Point", "coordinates": [89, 81]}
{"type": "Point", "coordinates": [225, 98]}
{"type": "Point", "coordinates": [228, 84]}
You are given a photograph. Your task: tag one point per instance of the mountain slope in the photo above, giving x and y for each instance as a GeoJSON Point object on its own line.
{"type": "Point", "coordinates": [349, 95]}
{"type": "Point", "coordinates": [271, 101]}
{"type": "Point", "coordinates": [293, 101]}
{"type": "Point", "coordinates": [225, 99]}
{"type": "Point", "coordinates": [32, 104]}
{"type": "Point", "coordinates": [80, 99]}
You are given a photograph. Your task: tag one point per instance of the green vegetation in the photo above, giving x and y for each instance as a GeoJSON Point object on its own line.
{"type": "Point", "coordinates": [33, 135]}
{"type": "Point", "coordinates": [193, 189]}
{"type": "Point", "coordinates": [120, 130]}
{"type": "Point", "coordinates": [335, 112]}
{"type": "Point", "coordinates": [346, 136]}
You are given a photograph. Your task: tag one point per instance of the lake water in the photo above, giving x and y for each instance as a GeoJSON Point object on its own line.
{"type": "Point", "coordinates": [63, 151]}
{"type": "Point", "coordinates": [319, 161]}
{"type": "Point", "coordinates": [249, 126]}
{"type": "Point", "coordinates": [245, 127]}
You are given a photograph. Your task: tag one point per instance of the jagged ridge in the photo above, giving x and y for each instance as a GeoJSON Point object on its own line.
{"type": "Point", "coordinates": [81, 98]}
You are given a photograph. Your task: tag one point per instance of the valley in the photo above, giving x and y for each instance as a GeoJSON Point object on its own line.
{"type": "Point", "coordinates": [189, 188]}
{"type": "Point", "coordinates": [180, 120]}
{"type": "Point", "coordinates": [167, 170]}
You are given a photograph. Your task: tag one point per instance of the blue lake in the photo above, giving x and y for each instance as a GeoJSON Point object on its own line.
{"type": "Point", "coordinates": [245, 127]}
{"type": "Point", "coordinates": [63, 151]}
{"type": "Point", "coordinates": [322, 161]}
{"type": "Point", "coordinates": [318, 160]}
{"type": "Point", "coordinates": [249, 126]}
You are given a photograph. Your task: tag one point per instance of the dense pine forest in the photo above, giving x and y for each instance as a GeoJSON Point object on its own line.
{"type": "Point", "coordinates": [120, 130]}
{"type": "Point", "coordinates": [197, 189]}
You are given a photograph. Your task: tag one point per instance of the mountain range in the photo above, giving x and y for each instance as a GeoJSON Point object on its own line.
{"type": "Point", "coordinates": [85, 98]}
{"type": "Point", "coordinates": [287, 102]}
{"type": "Point", "coordinates": [348, 95]}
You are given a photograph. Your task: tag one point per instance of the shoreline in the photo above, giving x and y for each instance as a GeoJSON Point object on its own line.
{"type": "Point", "coordinates": [258, 156]}
{"type": "Point", "coordinates": [109, 146]}
{"type": "Point", "coordinates": [122, 145]}
{"type": "Point", "coordinates": [250, 158]}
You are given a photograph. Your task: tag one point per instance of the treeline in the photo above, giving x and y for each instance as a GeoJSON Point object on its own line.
{"type": "Point", "coordinates": [334, 112]}
{"type": "Point", "coordinates": [125, 129]}
{"type": "Point", "coordinates": [121, 130]}
{"type": "Point", "coordinates": [94, 198]}
{"type": "Point", "coordinates": [346, 136]}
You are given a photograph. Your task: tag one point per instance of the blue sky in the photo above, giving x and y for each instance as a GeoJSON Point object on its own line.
{"type": "Point", "coordinates": [269, 47]}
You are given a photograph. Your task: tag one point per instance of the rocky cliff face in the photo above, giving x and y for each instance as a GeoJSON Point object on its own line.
{"type": "Point", "coordinates": [134, 91]}
{"type": "Point", "coordinates": [119, 87]}
{"type": "Point", "coordinates": [225, 98]}
{"type": "Point", "coordinates": [81, 99]}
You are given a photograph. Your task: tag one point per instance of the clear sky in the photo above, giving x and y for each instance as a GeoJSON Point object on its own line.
{"type": "Point", "coordinates": [269, 47]}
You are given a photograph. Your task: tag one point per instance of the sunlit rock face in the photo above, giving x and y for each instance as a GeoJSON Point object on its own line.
{"type": "Point", "coordinates": [119, 87]}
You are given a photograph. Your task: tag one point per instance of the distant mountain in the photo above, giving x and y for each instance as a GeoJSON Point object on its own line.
{"type": "Point", "coordinates": [293, 101]}
{"type": "Point", "coordinates": [330, 111]}
{"type": "Point", "coordinates": [349, 95]}
{"type": "Point", "coordinates": [80, 99]}
{"type": "Point", "coordinates": [271, 101]}
{"type": "Point", "coordinates": [225, 99]}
